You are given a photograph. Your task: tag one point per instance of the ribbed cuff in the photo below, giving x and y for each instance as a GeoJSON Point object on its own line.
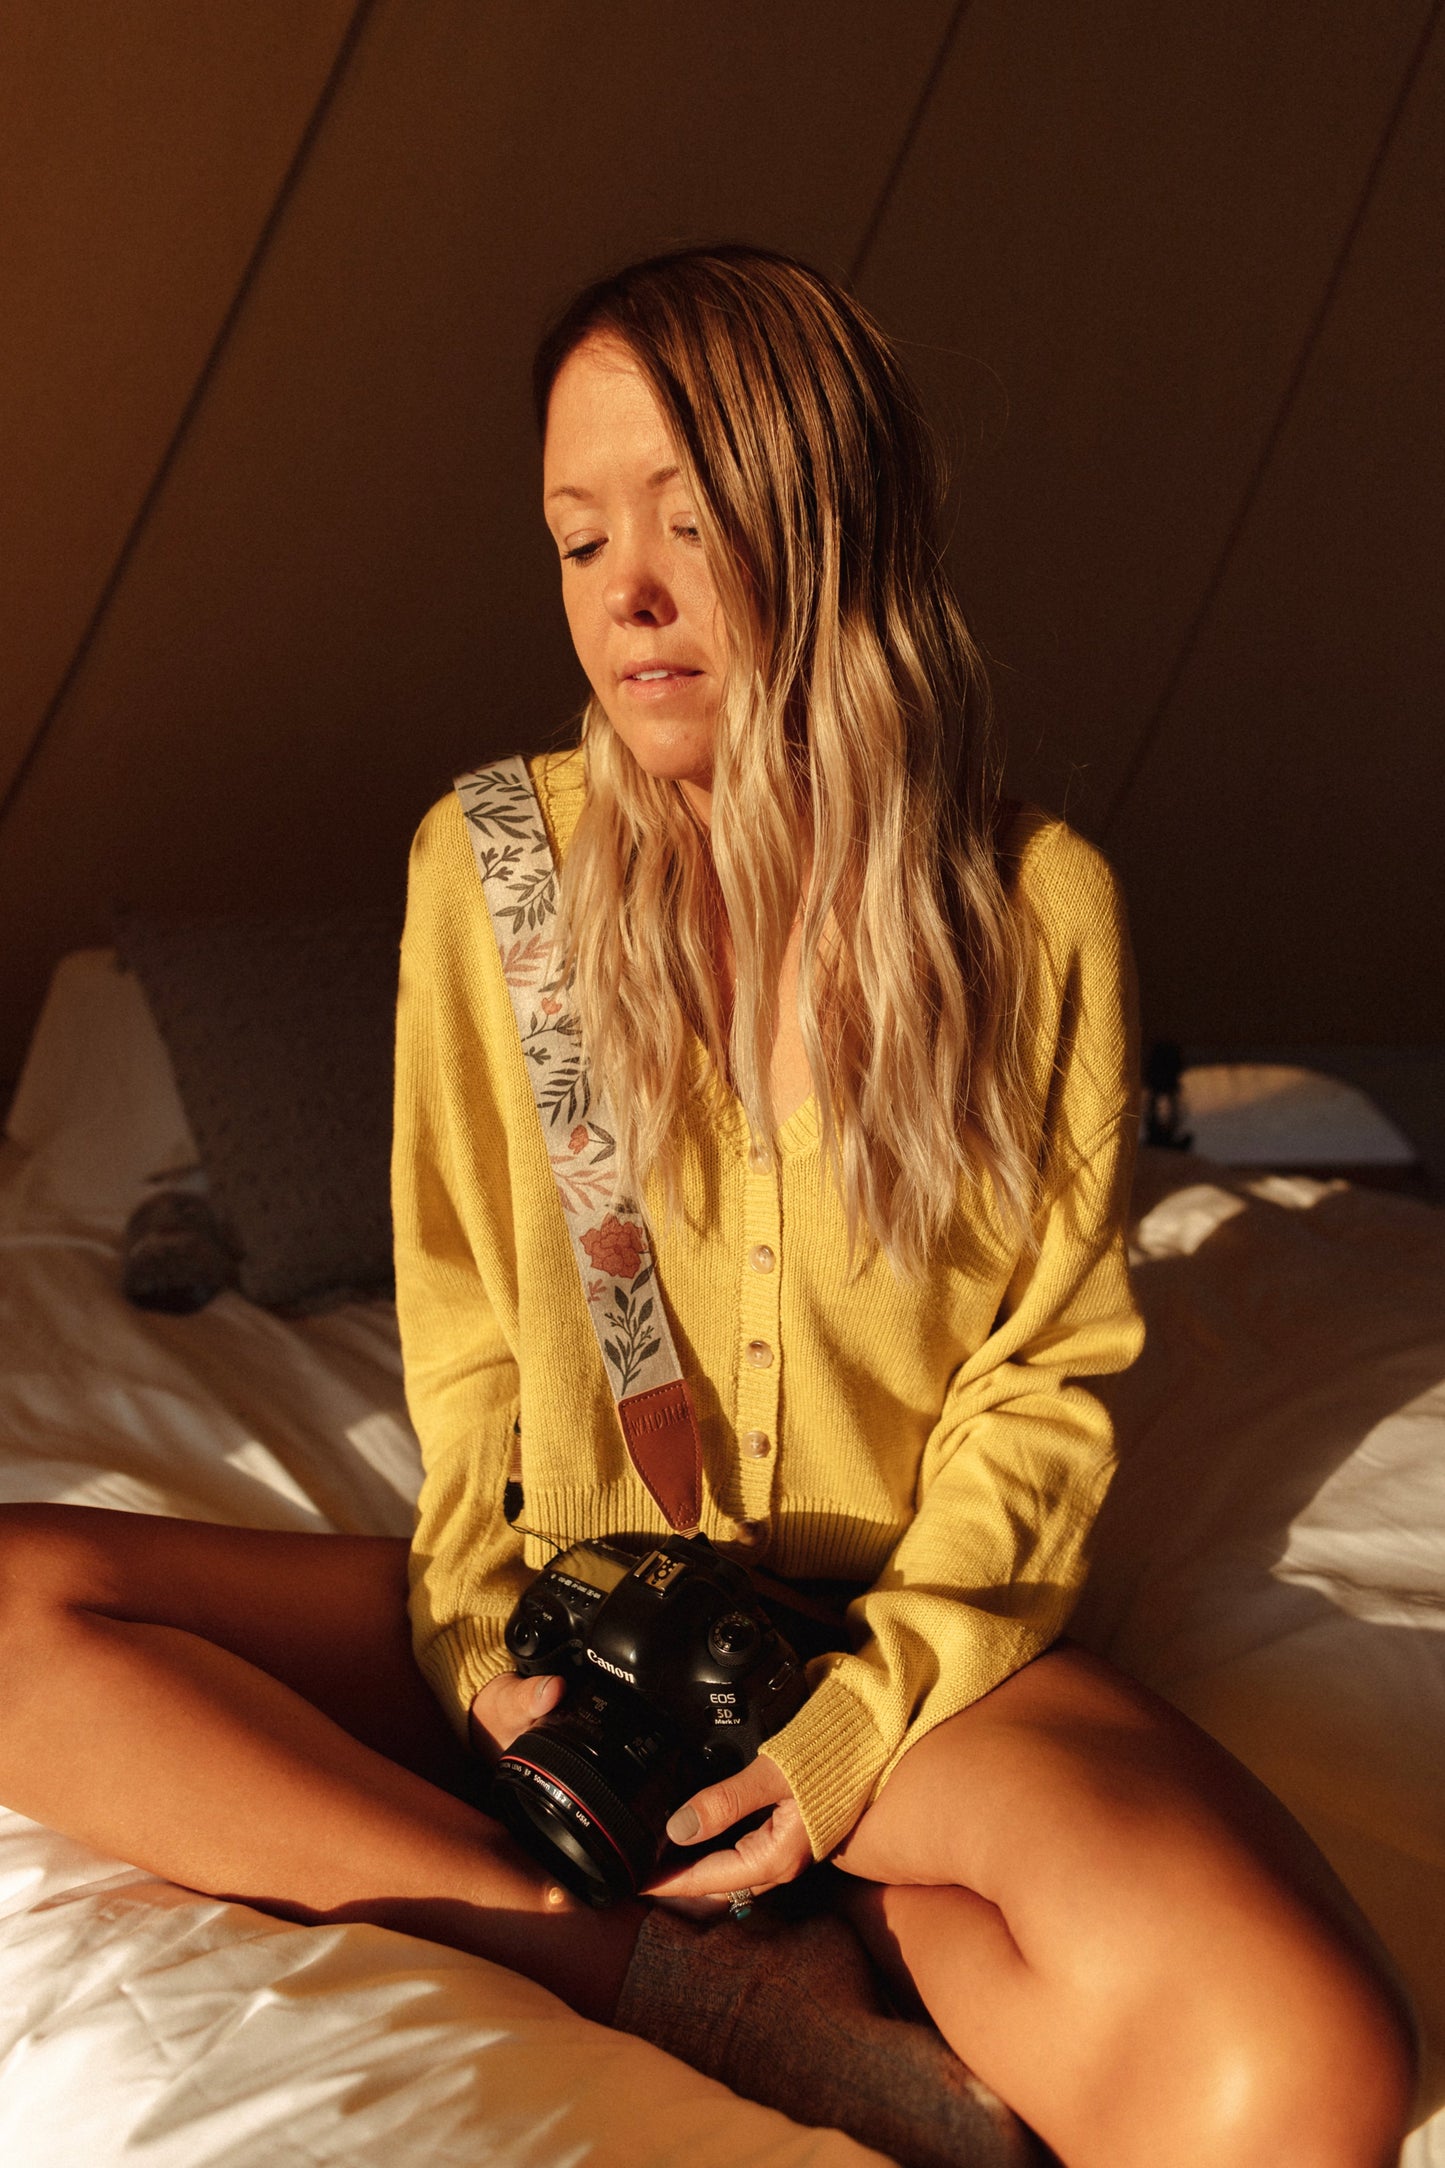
{"type": "Point", "coordinates": [832, 1754]}
{"type": "Point", "coordinates": [457, 1664]}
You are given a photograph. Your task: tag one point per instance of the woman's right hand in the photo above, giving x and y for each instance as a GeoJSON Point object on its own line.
{"type": "Point", "coordinates": [507, 1706]}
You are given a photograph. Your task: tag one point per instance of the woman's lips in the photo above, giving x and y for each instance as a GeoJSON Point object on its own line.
{"type": "Point", "coordinates": [658, 688]}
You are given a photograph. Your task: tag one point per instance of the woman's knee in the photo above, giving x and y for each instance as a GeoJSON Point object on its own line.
{"type": "Point", "coordinates": [1323, 2077]}
{"type": "Point", "coordinates": [1220, 1978]}
{"type": "Point", "coordinates": [48, 1567]}
{"type": "Point", "coordinates": [50, 1559]}
{"type": "Point", "coordinates": [1262, 2030]}
{"type": "Point", "coordinates": [1224, 2033]}
{"type": "Point", "coordinates": [1175, 1926]}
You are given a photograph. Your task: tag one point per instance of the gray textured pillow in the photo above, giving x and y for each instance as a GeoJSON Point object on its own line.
{"type": "Point", "coordinates": [280, 1032]}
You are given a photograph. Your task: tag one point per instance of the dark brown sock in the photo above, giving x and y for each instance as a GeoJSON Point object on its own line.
{"type": "Point", "coordinates": [788, 2012]}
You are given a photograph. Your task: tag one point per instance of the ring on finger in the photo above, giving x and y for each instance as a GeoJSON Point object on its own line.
{"type": "Point", "coordinates": [740, 1902]}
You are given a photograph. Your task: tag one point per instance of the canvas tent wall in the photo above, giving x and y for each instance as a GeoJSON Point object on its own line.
{"type": "Point", "coordinates": [1169, 277]}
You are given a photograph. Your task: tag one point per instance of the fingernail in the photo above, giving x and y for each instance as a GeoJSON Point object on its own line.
{"type": "Point", "coordinates": [684, 1825]}
{"type": "Point", "coordinates": [541, 1692]}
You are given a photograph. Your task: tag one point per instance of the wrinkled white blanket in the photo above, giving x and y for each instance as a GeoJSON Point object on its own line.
{"type": "Point", "coordinates": [1272, 1557]}
{"type": "Point", "coordinates": [140, 2023]}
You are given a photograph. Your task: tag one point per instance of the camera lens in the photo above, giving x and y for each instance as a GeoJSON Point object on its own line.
{"type": "Point", "coordinates": [596, 1841]}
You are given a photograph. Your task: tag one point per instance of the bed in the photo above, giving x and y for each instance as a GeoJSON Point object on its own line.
{"type": "Point", "coordinates": [1272, 1557]}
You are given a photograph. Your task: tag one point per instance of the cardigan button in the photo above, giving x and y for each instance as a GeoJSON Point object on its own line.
{"type": "Point", "coordinates": [758, 1444]}
{"type": "Point", "coordinates": [760, 1355]}
{"type": "Point", "coordinates": [761, 1258]}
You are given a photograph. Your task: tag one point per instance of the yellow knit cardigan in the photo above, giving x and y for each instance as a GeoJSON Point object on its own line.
{"type": "Point", "coordinates": [927, 1440]}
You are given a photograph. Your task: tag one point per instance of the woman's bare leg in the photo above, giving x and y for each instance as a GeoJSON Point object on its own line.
{"type": "Point", "coordinates": [239, 1711]}
{"type": "Point", "coordinates": [1128, 1937]}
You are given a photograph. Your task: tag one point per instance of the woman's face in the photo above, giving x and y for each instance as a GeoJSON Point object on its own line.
{"type": "Point", "coordinates": [640, 601]}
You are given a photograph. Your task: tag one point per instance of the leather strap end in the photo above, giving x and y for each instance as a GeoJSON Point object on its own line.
{"type": "Point", "coordinates": [660, 1427]}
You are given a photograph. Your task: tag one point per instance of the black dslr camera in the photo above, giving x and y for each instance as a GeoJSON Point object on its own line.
{"type": "Point", "coordinates": [675, 1677]}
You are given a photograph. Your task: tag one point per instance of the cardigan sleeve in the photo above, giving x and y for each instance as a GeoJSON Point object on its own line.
{"type": "Point", "coordinates": [1018, 1461]}
{"type": "Point", "coordinates": [462, 1379]}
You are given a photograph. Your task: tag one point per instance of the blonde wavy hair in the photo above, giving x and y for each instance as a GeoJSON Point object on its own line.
{"type": "Point", "coordinates": [853, 775]}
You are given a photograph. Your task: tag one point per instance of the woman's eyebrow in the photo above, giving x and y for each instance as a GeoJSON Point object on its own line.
{"type": "Point", "coordinates": [654, 481]}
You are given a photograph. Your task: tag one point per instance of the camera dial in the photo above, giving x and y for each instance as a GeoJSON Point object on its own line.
{"type": "Point", "coordinates": [542, 1627]}
{"type": "Point", "coordinates": [734, 1639]}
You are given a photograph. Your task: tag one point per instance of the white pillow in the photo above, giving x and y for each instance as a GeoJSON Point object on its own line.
{"type": "Point", "coordinates": [1253, 1114]}
{"type": "Point", "coordinates": [96, 1108]}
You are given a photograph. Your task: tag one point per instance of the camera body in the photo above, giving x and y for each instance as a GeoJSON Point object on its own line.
{"type": "Point", "coordinates": [676, 1675]}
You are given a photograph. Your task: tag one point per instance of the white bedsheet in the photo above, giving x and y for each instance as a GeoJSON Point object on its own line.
{"type": "Point", "coordinates": [1272, 1557]}
{"type": "Point", "coordinates": [140, 2023]}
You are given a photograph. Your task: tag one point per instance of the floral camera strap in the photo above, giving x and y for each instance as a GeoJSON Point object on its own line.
{"type": "Point", "coordinates": [610, 1241]}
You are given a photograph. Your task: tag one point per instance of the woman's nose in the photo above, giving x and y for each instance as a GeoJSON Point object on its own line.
{"type": "Point", "coordinates": [638, 595]}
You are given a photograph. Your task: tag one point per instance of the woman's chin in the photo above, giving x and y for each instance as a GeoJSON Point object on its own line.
{"type": "Point", "coordinates": [671, 755]}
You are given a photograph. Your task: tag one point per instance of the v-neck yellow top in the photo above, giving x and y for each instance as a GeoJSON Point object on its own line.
{"type": "Point", "coordinates": [930, 1441]}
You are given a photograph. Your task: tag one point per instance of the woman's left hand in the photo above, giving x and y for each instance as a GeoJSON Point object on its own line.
{"type": "Point", "coordinates": [760, 1860]}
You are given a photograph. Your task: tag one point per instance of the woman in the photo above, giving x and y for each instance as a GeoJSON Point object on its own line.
{"type": "Point", "coordinates": [867, 1036]}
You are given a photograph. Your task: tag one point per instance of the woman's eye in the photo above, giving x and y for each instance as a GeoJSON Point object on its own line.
{"type": "Point", "coordinates": [689, 531]}
{"type": "Point", "coordinates": [583, 554]}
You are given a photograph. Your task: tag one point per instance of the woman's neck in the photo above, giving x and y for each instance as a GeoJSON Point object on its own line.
{"type": "Point", "coordinates": [790, 1080]}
